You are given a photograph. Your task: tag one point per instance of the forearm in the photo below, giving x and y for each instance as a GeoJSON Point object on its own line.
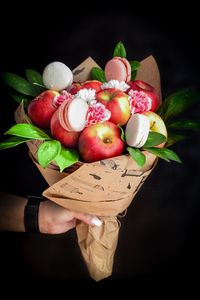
{"type": "Point", "coordinates": [52, 218]}
{"type": "Point", "coordinates": [12, 212]}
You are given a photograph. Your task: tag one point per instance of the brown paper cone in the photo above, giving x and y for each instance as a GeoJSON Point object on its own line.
{"type": "Point", "coordinates": [105, 192]}
{"type": "Point", "coordinates": [104, 188]}
{"type": "Point", "coordinates": [98, 245]}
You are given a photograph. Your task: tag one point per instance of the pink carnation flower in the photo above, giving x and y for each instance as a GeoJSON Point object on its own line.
{"type": "Point", "coordinates": [139, 101]}
{"type": "Point", "coordinates": [97, 113]}
{"type": "Point", "coordinates": [64, 95]}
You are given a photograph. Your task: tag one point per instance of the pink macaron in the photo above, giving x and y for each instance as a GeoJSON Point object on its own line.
{"type": "Point", "coordinates": [72, 114]}
{"type": "Point", "coordinates": [118, 68]}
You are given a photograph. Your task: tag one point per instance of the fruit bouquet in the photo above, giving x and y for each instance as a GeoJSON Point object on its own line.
{"type": "Point", "coordinates": [95, 135]}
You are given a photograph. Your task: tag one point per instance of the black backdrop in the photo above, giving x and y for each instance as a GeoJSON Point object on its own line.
{"type": "Point", "coordinates": [159, 235]}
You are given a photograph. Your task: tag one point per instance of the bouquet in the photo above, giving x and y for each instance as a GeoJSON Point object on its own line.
{"type": "Point", "coordinates": [95, 135]}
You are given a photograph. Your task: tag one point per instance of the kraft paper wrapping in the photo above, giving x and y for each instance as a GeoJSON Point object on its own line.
{"type": "Point", "coordinates": [104, 188]}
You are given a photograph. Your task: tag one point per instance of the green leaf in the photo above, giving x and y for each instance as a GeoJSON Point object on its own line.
{"type": "Point", "coordinates": [66, 158]}
{"type": "Point", "coordinates": [35, 79]}
{"type": "Point", "coordinates": [12, 142]}
{"type": "Point", "coordinates": [164, 153]}
{"type": "Point", "coordinates": [174, 138]}
{"type": "Point", "coordinates": [133, 75]}
{"type": "Point", "coordinates": [122, 134]}
{"type": "Point", "coordinates": [48, 151]}
{"type": "Point", "coordinates": [119, 50]}
{"type": "Point", "coordinates": [137, 155]}
{"type": "Point", "coordinates": [19, 84]}
{"type": "Point", "coordinates": [19, 97]}
{"type": "Point", "coordinates": [28, 131]}
{"type": "Point", "coordinates": [154, 139]}
{"type": "Point", "coordinates": [185, 124]}
{"type": "Point", "coordinates": [178, 103]}
{"type": "Point", "coordinates": [135, 65]}
{"type": "Point", "coordinates": [98, 74]}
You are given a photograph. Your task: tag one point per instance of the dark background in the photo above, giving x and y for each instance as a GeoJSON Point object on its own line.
{"type": "Point", "coordinates": [159, 237]}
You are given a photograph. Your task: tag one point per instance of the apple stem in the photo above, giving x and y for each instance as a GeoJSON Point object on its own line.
{"type": "Point", "coordinates": [152, 125]}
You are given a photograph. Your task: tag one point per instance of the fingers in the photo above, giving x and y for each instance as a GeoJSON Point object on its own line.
{"type": "Point", "coordinates": [88, 219]}
{"type": "Point", "coordinates": [61, 227]}
{"type": "Point", "coordinates": [71, 224]}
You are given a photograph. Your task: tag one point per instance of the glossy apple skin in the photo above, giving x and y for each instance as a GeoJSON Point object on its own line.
{"type": "Point", "coordinates": [89, 84]}
{"type": "Point", "coordinates": [42, 108]}
{"type": "Point", "coordinates": [139, 85]}
{"type": "Point", "coordinates": [156, 125]}
{"type": "Point", "coordinates": [118, 104]}
{"type": "Point", "coordinates": [74, 88]}
{"type": "Point", "coordinates": [68, 139]}
{"type": "Point", "coordinates": [100, 141]}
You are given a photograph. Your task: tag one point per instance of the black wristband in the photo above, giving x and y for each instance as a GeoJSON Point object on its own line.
{"type": "Point", "coordinates": [31, 214]}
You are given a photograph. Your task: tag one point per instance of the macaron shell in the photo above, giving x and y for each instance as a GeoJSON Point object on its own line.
{"type": "Point", "coordinates": [57, 76]}
{"type": "Point", "coordinates": [77, 113]}
{"type": "Point", "coordinates": [63, 116]}
{"type": "Point", "coordinates": [118, 68]}
{"type": "Point", "coordinates": [72, 114]}
{"type": "Point", "coordinates": [137, 130]}
{"type": "Point", "coordinates": [115, 69]}
{"type": "Point", "coordinates": [128, 68]}
{"type": "Point", "coordinates": [62, 113]}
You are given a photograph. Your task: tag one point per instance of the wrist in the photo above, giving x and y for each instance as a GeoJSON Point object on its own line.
{"type": "Point", "coordinates": [31, 214]}
{"type": "Point", "coordinates": [42, 217]}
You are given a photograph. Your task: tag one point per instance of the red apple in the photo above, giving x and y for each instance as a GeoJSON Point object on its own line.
{"type": "Point", "coordinates": [139, 85]}
{"type": "Point", "coordinates": [117, 102]}
{"type": "Point", "coordinates": [68, 139]}
{"type": "Point", "coordinates": [90, 84]}
{"type": "Point", "coordinates": [74, 88]}
{"type": "Point", "coordinates": [41, 109]}
{"type": "Point", "coordinates": [100, 141]}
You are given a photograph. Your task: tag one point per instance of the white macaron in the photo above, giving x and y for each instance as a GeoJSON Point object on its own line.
{"type": "Point", "coordinates": [77, 113]}
{"type": "Point", "coordinates": [57, 76]}
{"type": "Point", "coordinates": [137, 130]}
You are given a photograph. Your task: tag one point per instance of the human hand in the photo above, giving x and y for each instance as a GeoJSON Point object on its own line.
{"type": "Point", "coordinates": [55, 219]}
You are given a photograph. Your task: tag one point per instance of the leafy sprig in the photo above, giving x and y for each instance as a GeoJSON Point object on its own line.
{"type": "Point", "coordinates": [178, 103]}
{"type": "Point", "coordinates": [135, 65]}
{"type": "Point", "coordinates": [49, 150]}
{"type": "Point", "coordinates": [98, 74]}
{"type": "Point", "coordinates": [171, 111]}
{"type": "Point", "coordinates": [153, 141]}
{"type": "Point", "coordinates": [119, 50]}
{"type": "Point", "coordinates": [24, 88]}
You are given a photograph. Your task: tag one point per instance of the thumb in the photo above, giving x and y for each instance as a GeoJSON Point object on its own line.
{"type": "Point", "coordinates": [88, 219]}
